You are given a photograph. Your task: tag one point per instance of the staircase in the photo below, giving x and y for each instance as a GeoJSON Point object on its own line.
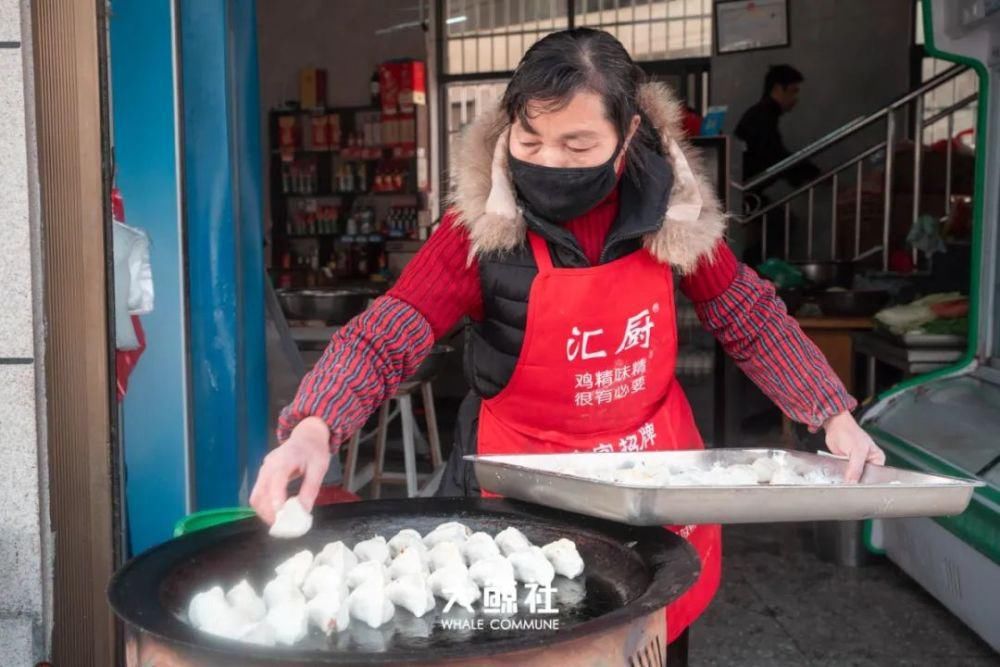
{"type": "Point", "coordinates": [866, 203]}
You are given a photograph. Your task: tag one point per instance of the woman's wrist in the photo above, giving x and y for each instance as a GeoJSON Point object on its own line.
{"type": "Point", "coordinates": [836, 420]}
{"type": "Point", "coordinates": [313, 429]}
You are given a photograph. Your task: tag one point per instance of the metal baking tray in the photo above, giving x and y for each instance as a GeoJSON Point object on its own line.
{"type": "Point", "coordinates": [883, 492]}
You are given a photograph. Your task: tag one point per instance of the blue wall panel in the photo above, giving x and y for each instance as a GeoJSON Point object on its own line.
{"type": "Point", "coordinates": [155, 420]}
{"type": "Point", "coordinates": [225, 253]}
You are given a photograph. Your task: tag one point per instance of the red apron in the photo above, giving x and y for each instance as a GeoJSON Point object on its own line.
{"type": "Point", "coordinates": [596, 373]}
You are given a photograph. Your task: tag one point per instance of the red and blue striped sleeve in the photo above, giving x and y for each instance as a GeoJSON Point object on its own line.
{"type": "Point", "coordinates": [767, 344]}
{"type": "Point", "coordinates": [361, 368]}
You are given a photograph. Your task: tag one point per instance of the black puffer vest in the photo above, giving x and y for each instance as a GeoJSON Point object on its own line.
{"type": "Point", "coordinates": [494, 345]}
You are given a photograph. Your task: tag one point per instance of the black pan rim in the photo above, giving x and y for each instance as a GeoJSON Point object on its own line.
{"type": "Point", "coordinates": [652, 544]}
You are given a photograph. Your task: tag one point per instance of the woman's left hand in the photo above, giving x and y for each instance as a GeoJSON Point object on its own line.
{"type": "Point", "coordinates": [845, 437]}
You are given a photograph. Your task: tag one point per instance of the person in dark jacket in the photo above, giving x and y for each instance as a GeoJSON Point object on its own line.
{"type": "Point", "coordinates": [764, 147]}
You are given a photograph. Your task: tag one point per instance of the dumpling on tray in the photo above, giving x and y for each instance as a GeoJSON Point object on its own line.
{"type": "Point", "coordinates": [282, 590]}
{"type": "Point", "coordinates": [369, 571]}
{"type": "Point", "coordinates": [406, 563]}
{"type": "Point", "coordinates": [290, 621]}
{"type": "Point", "coordinates": [412, 593]}
{"type": "Point", "coordinates": [245, 601]}
{"type": "Point", "coordinates": [210, 612]}
{"type": "Point", "coordinates": [453, 585]}
{"type": "Point", "coordinates": [532, 567]}
{"type": "Point", "coordinates": [337, 556]}
{"type": "Point", "coordinates": [297, 567]}
{"type": "Point", "coordinates": [510, 540]}
{"type": "Point", "coordinates": [444, 554]}
{"type": "Point", "coordinates": [403, 539]}
{"type": "Point", "coordinates": [375, 549]}
{"type": "Point", "coordinates": [329, 612]}
{"type": "Point", "coordinates": [494, 572]}
{"type": "Point", "coordinates": [565, 559]}
{"type": "Point", "coordinates": [450, 531]}
{"type": "Point", "coordinates": [479, 546]}
{"type": "Point", "coordinates": [369, 604]}
{"type": "Point", "coordinates": [324, 579]}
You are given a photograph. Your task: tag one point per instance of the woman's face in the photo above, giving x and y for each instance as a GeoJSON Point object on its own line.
{"type": "Point", "coordinates": [577, 135]}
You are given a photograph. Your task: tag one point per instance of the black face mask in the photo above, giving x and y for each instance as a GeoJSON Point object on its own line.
{"type": "Point", "coordinates": [559, 194]}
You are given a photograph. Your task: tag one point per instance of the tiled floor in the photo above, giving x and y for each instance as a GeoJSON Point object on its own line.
{"type": "Point", "coordinates": [781, 605]}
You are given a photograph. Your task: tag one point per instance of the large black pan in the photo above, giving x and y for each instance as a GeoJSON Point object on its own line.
{"type": "Point", "coordinates": [631, 572]}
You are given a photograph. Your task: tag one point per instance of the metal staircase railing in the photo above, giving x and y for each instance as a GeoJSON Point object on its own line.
{"type": "Point", "coordinates": [911, 104]}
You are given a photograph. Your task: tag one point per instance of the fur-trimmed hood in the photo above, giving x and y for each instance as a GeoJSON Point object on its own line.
{"type": "Point", "coordinates": [482, 193]}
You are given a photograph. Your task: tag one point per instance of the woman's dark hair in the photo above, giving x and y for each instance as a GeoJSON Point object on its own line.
{"type": "Point", "coordinates": [563, 63]}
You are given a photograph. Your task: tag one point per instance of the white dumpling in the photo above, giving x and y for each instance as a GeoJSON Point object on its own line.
{"type": "Point", "coordinates": [445, 554]}
{"type": "Point", "coordinates": [329, 612]}
{"type": "Point", "coordinates": [282, 590]}
{"type": "Point", "coordinates": [369, 571]}
{"type": "Point", "coordinates": [324, 579]}
{"type": "Point", "coordinates": [451, 531]}
{"type": "Point", "coordinates": [226, 623]}
{"type": "Point", "coordinates": [511, 540]}
{"type": "Point", "coordinates": [297, 567]}
{"type": "Point", "coordinates": [453, 584]}
{"type": "Point", "coordinates": [412, 593]}
{"type": "Point", "coordinates": [261, 634]}
{"type": "Point", "coordinates": [244, 599]}
{"type": "Point", "coordinates": [374, 549]}
{"type": "Point", "coordinates": [478, 547]}
{"type": "Point", "coordinates": [292, 520]}
{"type": "Point", "coordinates": [532, 567]}
{"type": "Point", "coordinates": [290, 622]}
{"type": "Point", "coordinates": [206, 604]}
{"type": "Point", "coordinates": [765, 468]}
{"type": "Point", "coordinates": [338, 556]}
{"type": "Point", "coordinates": [565, 559]}
{"type": "Point", "coordinates": [493, 572]}
{"type": "Point", "coordinates": [404, 538]}
{"type": "Point", "coordinates": [406, 563]}
{"type": "Point", "coordinates": [370, 605]}
{"type": "Point", "coordinates": [785, 475]}
{"type": "Point", "coordinates": [570, 592]}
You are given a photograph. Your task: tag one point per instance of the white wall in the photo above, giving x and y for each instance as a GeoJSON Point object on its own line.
{"type": "Point", "coordinates": [854, 55]}
{"type": "Point", "coordinates": [25, 571]}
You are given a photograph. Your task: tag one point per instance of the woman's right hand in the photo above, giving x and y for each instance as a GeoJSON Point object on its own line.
{"type": "Point", "coordinates": [305, 454]}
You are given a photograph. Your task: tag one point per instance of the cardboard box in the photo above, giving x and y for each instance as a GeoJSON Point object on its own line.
{"type": "Point", "coordinates": [312, 88]}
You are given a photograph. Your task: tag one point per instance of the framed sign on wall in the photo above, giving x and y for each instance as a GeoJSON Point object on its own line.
{"type": "Point", "coordinates": [750, 25]}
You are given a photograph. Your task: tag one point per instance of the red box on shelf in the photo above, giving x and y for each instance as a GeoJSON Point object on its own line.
{"type": "Point", "coordinates": [402, 84]}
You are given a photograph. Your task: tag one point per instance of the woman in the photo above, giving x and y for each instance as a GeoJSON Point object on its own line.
{"type": "Point", "coordinates": [573, 204]}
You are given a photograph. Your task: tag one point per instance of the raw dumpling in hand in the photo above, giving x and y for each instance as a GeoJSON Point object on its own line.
{"type": "Point", "coordinates": [297, 567]}
{"type": "Point", "coordinates": [478, 547]}
{"type": "Point", "coordinates": [290, 622]}
{"type": "Point", "coordinates": [244, 599]}
{"type": "Point", "coordinates": [406, 563]}
{"type": "Point", "coordinates": [329, 612]}
{"type": "Point", "coordinates": [511, 540]}
{"type": "Point", "coordinates": [282, 590]}
{"type": "Point", "coordinates": [493, 572]}
{"type": "Point", "coordinates": [453, 584]}
{"type": "Point", "coordinates": [369, 571]}
{"type": "Point", "coordinates": [444, 554]}
{"type": "Point", "coordinates": [261, 634]}
{"type": "Point", "coordinates": [412, 593]}
{"type": "Point", "coordinates": [564, 557]}
{"type": "Point", "coordinates": [404, 538]}
{"type": "Point", "coordinates": [337, 556]}
{"type": "Point", "coordinates": [206, 604]}
{"type": "Point", "coordinates": [292, 520]}
{"type": "Point", "coordinates": [370, 605]}
{"type": "Point", "coordinates": [324, 579]}
{"type": "Point", "coordinates": [451, 531]}
{"type": "Point", "coordinates": [374, 549]}
{"type": "Point", "coordinates": [532, 567]}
